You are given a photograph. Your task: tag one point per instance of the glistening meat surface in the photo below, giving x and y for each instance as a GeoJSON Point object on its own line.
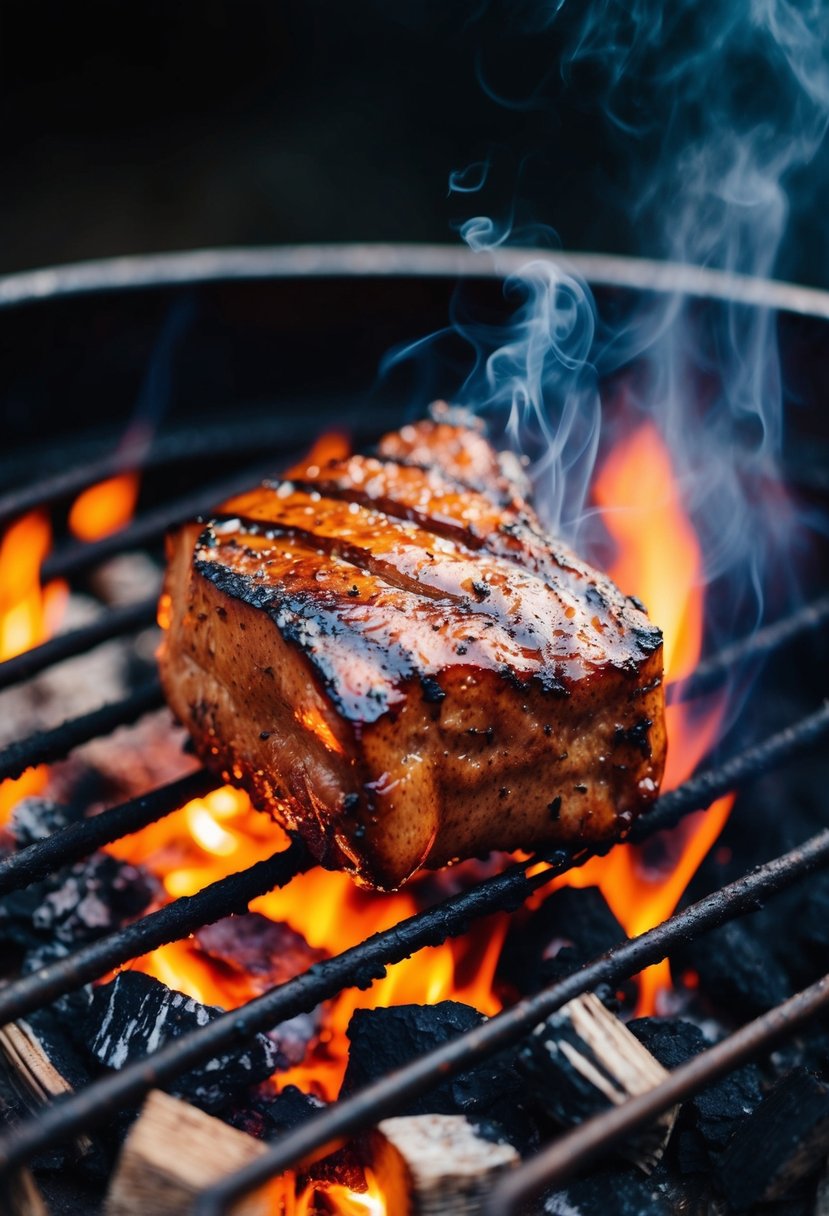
{"type": "Point", "coordinates": [393, 658]}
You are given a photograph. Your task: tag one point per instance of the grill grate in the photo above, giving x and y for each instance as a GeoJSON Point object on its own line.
{"type": "Point", "coordinates": [361, 963]}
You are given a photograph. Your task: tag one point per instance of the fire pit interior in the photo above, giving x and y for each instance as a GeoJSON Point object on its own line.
{"type": "Point", "coordinates": [643, 1030]}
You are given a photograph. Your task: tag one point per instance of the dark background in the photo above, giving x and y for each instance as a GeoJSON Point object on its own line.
{"type": "Point", "coordinates": [134, 128]}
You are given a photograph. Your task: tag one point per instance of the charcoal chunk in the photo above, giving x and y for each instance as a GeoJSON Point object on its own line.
{"type": "Point", "coordinates": [720, 1108]}
{"type": "Point", "coordinates": [35, 819]}
{"type": "Point", "coordinates": [572, 926]}
{"type": "Point", "coordinates": [77, 904]}
{"type": "Point", "coordinates": [135, 1015]}
{"type": "Point", "coordinates": [384, 1039]}
{"type": "Point", "coordinates": [266, 1115]}
{"type": "Point", "coordinates": [608, 1191]}
{"type": "Point", "coordinates": [738, 973]}
{"type": "Point", "coordinates": [785, 1140]}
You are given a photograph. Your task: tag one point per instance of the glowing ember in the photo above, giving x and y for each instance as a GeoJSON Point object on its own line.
{"type": "Point", "coordinates": [105, 507]}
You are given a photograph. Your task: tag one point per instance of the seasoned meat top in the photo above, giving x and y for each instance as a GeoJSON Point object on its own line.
{"type": "Point", "coordinates": [387, 569]}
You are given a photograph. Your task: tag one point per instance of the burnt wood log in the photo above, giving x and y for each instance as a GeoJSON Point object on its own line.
{"type": "Point", "coordinates": [583, 1060]}
{"type": "Point", "coordinates": [171, 1154]}
{"type": "Point", "coordinates": [785, 1140]}
{"type": "Point", "coordinates": [135, 1015]}
{"type": "Point", "coordinates": [429, 1165]}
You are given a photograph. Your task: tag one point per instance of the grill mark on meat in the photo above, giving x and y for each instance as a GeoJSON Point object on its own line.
{"type": "Point", "coordinates": [519, 599]}
{"type": "Point", "coordinates": [334, 546]}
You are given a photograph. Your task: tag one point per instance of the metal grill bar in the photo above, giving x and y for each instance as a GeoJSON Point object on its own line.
{"type": "Point", "coordinates": [596, 1137]}
{"type": "Point", "coordinates": [704, 787]}
{"type": "Point", "coordinates": [96, 959]}
{"type": "Point", "coordinates": [710, 673]}
{"type": "Point", "coordinates": [383, 1097]}
{"type": "Point", "coordinates": [80, 839]}
{"type": "Point", "coordinates": [359, 966]}
{"type": "Point", "coordinates": [168, 924]}
{"type": "Point", "coordinates": [114, 623]}
{"type": "Point", "coordinates": [95, 1104]}
{"type": "Point", "coordinates": [253, 436]}
{"type": "Point", "coordinates": [45, 746]}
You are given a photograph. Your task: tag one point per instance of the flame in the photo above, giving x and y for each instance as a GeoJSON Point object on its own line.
{"type": "Point", "coordinates": [29, 614]}
{"type": "Point", "coordinates": [659, 560]}
{"type": "Point", "coordinates": [104, 508]}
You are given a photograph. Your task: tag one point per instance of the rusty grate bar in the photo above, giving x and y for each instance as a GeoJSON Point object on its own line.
{"type": "Point", "coordinates": [597, 1136]}
{"type": "Point", "coordinates": [383, 1097]}
{"type": "Point", "coordinates": [79, 839]}
{"type": "Point", "coordinates": [114, 623]}
{"type": "Point", "coordinates": [45, 746]}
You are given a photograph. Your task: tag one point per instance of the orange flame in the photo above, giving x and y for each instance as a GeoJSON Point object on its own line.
{"type": "Point", "coordinates": [659, 560]}
{"type": "Point", "coordinates": [29, 614]}
{"type": "Point", "coordinates": [104, 508]}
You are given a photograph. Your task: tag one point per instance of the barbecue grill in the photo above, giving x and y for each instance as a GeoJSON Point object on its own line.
{"type": "Point", "coordinates": [238, 385]}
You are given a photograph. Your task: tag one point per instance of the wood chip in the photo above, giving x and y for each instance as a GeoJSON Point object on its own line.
{"type": "Point", "coordinates": [433, 1164]}
{"type": "Point", "coordinates": [172, 1153]}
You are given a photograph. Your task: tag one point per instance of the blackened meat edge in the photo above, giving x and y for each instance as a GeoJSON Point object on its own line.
{"type": "Point", "coordinates": [395, 660]}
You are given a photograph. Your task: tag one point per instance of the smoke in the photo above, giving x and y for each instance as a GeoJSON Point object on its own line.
{"type": "Point", "coordinates": [716, 107]}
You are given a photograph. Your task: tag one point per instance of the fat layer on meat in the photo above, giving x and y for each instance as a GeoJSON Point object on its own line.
{"type": "Point", "coordinates": [398, 663]}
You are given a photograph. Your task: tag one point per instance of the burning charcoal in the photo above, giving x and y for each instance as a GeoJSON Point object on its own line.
{"type": "Point", "coordinates": [720, 1107]}
{"type": "Point", "coordinates": [36, 819]}
{"type": "Point", "coordinates": [78, 904]}
{"type": "Point", "coordinates": [572, 926]}
{"type": "Point", "coordinates": [385, 1039]}
{"type": "Point", "coordinates": [581, 1059]}
{"type": "Point", "coordinates": [135, 1014]}
{"type": "Point", "coordinates": [785, 1140]}
{"type": "Point", "coordinates": [607, 1190]}
{"type": "Point", "coordinates": [265, 953]}
{"type": "Point", "coordinates": [807, 945]}
{"type": "Point", "coordinates": [737, 972]}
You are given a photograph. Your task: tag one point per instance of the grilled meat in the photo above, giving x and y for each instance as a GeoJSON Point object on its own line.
{"type": "Point", "coordinates": [394, 659]}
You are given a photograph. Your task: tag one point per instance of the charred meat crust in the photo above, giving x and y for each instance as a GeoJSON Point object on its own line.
{"type": "Point", "coordinates": [441, 674]}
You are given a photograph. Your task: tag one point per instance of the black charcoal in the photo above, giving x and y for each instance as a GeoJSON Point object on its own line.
{"type": "Point", "coordinates": [384, 1039]}
{"type": "Point", "coordinates": [571, 927]}
{"type": "Point", "coordinates": [785, 1140]}
{"type": "Point", "coordinates": [78, 904]}
{"type": "Point", "coordinates": [134, 1015]}
{"type": "Point", "coordinates": [719, 1109]}
{"type": "Point", "coordinates": [738, 972]}
{"type": "Point", "coordinates": [608, 1191]}
{"type": "Point", "coordinates": [35, 819]}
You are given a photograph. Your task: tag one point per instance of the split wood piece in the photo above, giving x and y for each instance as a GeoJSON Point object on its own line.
{"type": "Point", "coordinates": [785, 1139]}
{"type": "Point", "coordinates": [35, 1077]}
{"type": "Point", "coordinates": [427, 1165]}
{"type": "Point", "coordinates": [19, 1196]}
{"type": "Point", "coordinates": [583, 1060]}
{"type": "Point", "coordinates": [172, 1153]}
